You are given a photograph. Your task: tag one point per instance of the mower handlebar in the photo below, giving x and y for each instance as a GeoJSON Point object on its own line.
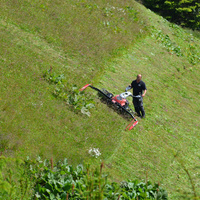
{"type": "Point", "coordinates": [137, 96]}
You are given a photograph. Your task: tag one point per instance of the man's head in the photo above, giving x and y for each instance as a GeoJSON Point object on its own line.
{"type": "Point", "coordinates": [139, 77]}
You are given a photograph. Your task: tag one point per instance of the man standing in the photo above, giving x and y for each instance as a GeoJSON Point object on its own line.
{"type": "Point", "coordinates": [139, 88]}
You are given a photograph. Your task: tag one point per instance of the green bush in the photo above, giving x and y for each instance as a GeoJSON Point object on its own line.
{"type": "Point", "coordinates": [62, 181]}
{"type": "Point", "coordinates": [76, 99]}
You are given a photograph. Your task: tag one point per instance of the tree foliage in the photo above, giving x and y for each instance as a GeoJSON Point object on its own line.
{"type": "Point", "coordinates": [182, 12]}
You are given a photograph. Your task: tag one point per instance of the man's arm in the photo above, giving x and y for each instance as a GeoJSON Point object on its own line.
{"type": "Point", "coordinates": [131, 85]}
{"type": "Point", "coordinates": [144, 93]}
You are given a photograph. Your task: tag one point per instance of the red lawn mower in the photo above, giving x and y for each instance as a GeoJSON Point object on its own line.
{"type": "Point", "coordinates": [118, 102]}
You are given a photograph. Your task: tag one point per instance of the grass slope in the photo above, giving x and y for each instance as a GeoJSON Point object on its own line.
{"type": "Point", "coordinates": [165, 144]}
{"type": "Point", "coordinates": [107, 44]}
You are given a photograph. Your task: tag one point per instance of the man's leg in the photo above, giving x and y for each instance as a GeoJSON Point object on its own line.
{"type": "Point", "coordinates": [136, 106]}
{"type": "Point", "coordinates": [142, 111]}
{"type": "Point", "coordinates": [141, 108]}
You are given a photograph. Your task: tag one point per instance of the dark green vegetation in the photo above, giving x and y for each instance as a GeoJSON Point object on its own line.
{"type": "Point", "coordinates": [106, 44]}
{"type": "Point", "coordinates": [62, 181]}
{"type": "Point", "coordinates": [184, 13]}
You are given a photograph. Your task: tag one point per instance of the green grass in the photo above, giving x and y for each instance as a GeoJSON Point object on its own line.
{"type": "Point", "coordinates": [97, 43]}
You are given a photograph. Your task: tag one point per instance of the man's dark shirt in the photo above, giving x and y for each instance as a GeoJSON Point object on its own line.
{"type": "Point", "coordinates": [138, 87]}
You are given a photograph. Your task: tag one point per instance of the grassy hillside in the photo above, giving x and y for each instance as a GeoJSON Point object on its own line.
{"type": "Point", "coordinates": [106, 44]}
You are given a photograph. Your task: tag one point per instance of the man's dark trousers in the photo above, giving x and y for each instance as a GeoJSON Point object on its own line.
{"type": "Point", "coordinates": [138, 104]}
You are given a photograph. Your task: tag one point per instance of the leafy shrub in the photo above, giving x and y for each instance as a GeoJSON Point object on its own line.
{"type": "Point", "coordinates": [165, 40]}
{"type": "Point", "coordinates": [62, 181]}
{"type": "Point", "coordinates": [134, 189]}
{"type": "Point", "coordinates": [191, 53]}
{"type": "Point", "coordinates": [78, 100]}
{"type": "Point", "coordinates": [37, 179]}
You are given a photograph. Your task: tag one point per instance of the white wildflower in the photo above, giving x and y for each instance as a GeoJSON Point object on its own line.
{"type": "Point", "coordinates": [94, 152]}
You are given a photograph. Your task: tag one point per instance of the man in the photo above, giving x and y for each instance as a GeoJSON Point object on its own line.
{"type": "Point", "coordinates": [139, 88]}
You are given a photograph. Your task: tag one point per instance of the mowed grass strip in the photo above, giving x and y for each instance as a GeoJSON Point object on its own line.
{"type": "Point", "coordinates": [165, 143]}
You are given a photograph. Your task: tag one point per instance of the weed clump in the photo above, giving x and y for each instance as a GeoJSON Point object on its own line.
{"type": "Point", "coordinates": [77, 100]}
